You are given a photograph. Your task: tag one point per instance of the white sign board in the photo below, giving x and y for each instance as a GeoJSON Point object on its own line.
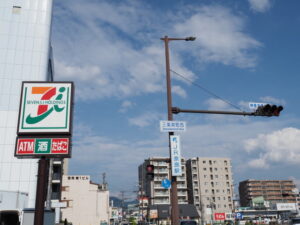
{"type": "Point", "coordinates": [286, 206]}
{"type": "Point", "coordinates": [172, 126]}
{"type": "Point", "coordinates": [45, 107]}
{"type": "Point", "coordinates": [255, 105]}
{"type": "Point", "coordinates": [175, 155]}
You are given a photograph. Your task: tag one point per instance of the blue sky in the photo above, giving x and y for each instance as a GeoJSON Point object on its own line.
{"type": "Point", "coordinates": [245, 51]}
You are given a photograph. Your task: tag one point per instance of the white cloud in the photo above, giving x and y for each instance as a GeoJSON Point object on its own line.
{"type": "Point", "coordinates": [126, 105]}
{"type": "Point", "coordinates": [282, 146]}
{"type": "Point", "coordinates": [260, 5]}
{"type": "Point", "coordinates": [146, 119]}
{"type": "Point", "coordinates": [179, 91]}
{"type": "Point", "coordinates": [220, 37]}
{"type": "Point", "coordinates": [113, 49]}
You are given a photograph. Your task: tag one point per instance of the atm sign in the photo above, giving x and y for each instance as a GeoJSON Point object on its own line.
{"type": "Point", "coordinates": [36, 147]}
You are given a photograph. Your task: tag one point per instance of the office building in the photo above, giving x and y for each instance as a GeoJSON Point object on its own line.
{"type": "Point", "coordinates": [153, 190]}
{"type": "Point", "coordinates": [25, 55]}
{"type": "Point", "coordinates": [272, 191]}
{"type": "Point", "coordinates": [210, 186]}
{"type": "Point", "coordinates": [86, 202]}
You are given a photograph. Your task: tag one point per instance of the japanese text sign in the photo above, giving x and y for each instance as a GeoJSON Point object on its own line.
{"type": "Point", "coordinates": [175, 155]}
{"type": "Point", "coordinates": [172, 126]}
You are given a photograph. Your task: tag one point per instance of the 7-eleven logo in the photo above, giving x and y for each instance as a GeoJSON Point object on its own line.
{"type": "Point", "coordinates": [49, 101]}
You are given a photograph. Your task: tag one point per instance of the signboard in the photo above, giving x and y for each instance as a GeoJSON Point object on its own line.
{"type": "Point", "coordinates": [30, 147]}
{"type": "Point", "coordinates": [153, 214]}
{"type": "Point", "coordinates": [172, 126]}
{"type": "Point", "coordinates": [175, 155]}
{"type": "Point", "coordinates": [255, 105]}
{"type": "Point", "coordinates": [166, 183]}
{"type": "Point", "coordinates": [286, 206]}
{"type": "Point", "coordinates": [239, 216]}
{"type": "Point", "coordinates": [45, 108]}
{"type": "Point", "coordinates": [219, 216]}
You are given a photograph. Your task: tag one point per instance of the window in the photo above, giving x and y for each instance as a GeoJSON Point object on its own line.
{"type": "Point", "coordinates": [204, 162]}
{"type": "Point", "coordinates": [204, 169]}
{"type": "Point", "coordinates": [210, 169]}
{"type": "Point", "coordinates": [227, 177]}
{"type": "Point", "coordinates": [207, 198]}
{"type": "Point", "coordinates": [217, 190]}
{"type": "Point", "coordinates": [210, 162]}
{"type": "Point", "coordinates": [205, 176]}
{"type": "Point", "coordinates": [226, 169]}
{"type": "Point", "coordinates": [216, 169]}
{"type": "Point", "coordinates": [211, 177]}
{"type": "Point", "coordinates": [206, 191]}
{"type": "Point", "coordinates": [216, 176]}
{"type": "Point", "coordinates": [225, 162]}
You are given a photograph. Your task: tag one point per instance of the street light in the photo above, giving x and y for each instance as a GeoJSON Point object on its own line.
{"type": "Point", "coordinates": [174, 200]}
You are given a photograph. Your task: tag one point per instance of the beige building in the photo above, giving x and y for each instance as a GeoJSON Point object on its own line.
{"type": "Point", "coordinates": [273, 191]}
{"type": "Point", "coordinates": [87, 202]}
{"type": "Point", "coordinates": [153, 190]}
{"type": "Point", "coordinates": [210, 186]}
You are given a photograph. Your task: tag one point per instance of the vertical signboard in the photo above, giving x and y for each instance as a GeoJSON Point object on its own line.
{"type": "Point", "coordinates": [175, 155]}
{"type": "Point", "coordinates": [45, 108]}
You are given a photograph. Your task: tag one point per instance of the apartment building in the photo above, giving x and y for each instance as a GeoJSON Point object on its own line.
{"type": "Point", "coordinates": [210, 186]}
{"type": "Point", "coordinates": [87, 202]}
{"type": "Point", "coordinates": [273, 191]}
{"type": "Point", "coordinates": [152, 188]}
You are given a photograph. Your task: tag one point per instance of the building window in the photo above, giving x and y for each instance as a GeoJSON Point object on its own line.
{"type": "Point", "coordinates": [210, 169]}
{"type": "Point", "coordinates": [204, 162]}
{"type": "Point", "coordinates": [204, 169]}
{"type": "Point", "coordinates": [210, 162]}
{"type": "Point", "coordinates": [216, 176]}
{"type": "Point", "coordinates": [226, 169]}
{"type": "Point", "coordinates": [206, 191]}
{"type": "Point", "coordinates": [216, 169]}
{"type": "Point", "coordinates": [211, 177]}
{"type": "Point", "coordinates": [225, 162]}
{"type": "Point", "coordinates": [205, 176]}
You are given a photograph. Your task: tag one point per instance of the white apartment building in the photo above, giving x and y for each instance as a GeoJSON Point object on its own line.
{"type": "Point", "coordinates": [87, 202]}
{"type": "Point", "coordinates": [210, 186]}
{"type": "Point", "coordinates": [25, 55]}
{"type": "Point", "coordinates": [153, 190]}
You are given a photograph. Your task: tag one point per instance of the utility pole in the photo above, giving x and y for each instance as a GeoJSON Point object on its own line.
{"type": "Point", "coordinates": [174, 198]}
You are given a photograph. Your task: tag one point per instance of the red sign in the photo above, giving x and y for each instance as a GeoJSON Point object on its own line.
{"type": "Point", "coordinates": [25, 146]}
{"type": "Point", "coordinates": [42, 146]}
{"type": "Point", "coordinates": [220, 216]}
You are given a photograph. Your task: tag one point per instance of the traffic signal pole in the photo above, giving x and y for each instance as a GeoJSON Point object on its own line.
{"type": "Point", "coordinates": [174, 199]}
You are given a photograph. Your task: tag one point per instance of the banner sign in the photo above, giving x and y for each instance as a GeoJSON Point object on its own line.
{"type": "Point", "coordinates": [172, 126]}
{"type": "Point", "coordinates": [45, 108]}
{"type": "Point", "coordinates": [29, 147]}
{"type": "Point", "coordinates": [175, 155]}
{"type": "Point", "coordinates": [219, 216]}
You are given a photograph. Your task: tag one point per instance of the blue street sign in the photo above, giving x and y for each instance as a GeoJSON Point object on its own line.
{"type": "Point", "coordinates": [239, 215]}
{"type": "Point", "coordinates": [166, 183]}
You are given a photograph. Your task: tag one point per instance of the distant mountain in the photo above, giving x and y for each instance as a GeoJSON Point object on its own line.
{"type": "Point", "coordinates": [118, 202]}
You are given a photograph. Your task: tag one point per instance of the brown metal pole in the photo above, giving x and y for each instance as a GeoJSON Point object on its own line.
{"type": "Point", "coordinates": [174, 200]}
{"type": "Point", "coordinates": [41, 192]}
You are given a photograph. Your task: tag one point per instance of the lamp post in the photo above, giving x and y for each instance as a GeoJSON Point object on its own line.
{"type": "Point", "coordinates": [174, 199]}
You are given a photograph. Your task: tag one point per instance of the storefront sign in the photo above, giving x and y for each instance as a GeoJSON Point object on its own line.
{"type": "Point", "coordinates": [28, 147]}
{"type": "Point", "coordinates": [45, 108]}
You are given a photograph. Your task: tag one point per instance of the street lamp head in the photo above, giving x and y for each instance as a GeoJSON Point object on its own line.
{"type": "Point", "coordinates": [190, 38]}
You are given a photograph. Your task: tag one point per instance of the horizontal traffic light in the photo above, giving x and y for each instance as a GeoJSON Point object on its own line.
{"type": "Point", "coordinates": [268, 110]}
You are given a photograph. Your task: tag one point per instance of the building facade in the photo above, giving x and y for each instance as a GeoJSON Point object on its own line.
{"type": "Point", "coordinates": [153, 189]}
{"type": "Point", "coordinates": [210, 186]}
{"type": "Point", "coordinates": [25, 55]}
{"type": "Point", "coordinates": [87, 202]}
{"type": "Point", "coordinates": [272, 191]}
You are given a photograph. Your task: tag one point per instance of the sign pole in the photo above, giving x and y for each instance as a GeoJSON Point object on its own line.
{"type": "Point", "coordinates": [41, 190]}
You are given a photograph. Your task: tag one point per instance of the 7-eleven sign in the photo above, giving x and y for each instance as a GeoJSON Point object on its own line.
{"type": "Point", "coordinates": [45, 108]}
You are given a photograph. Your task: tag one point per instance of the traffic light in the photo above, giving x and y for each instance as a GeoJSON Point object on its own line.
{"type": "Point", "coordinates": [268, 110]}
{"type": "Point", "coordinates": [150, 172]}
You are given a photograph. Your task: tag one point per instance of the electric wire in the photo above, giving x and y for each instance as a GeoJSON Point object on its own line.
{"type": "Point", "coordinates": [206, 90]}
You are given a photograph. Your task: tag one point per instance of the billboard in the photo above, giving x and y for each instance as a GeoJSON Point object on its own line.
{"type": "Point", "coordinates": [286, 206]}
{"type": "Point", "coordinates": [35, 147]}
{"type": "Point", "coordinates": [45, 108]}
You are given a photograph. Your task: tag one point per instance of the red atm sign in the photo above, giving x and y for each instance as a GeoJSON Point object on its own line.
{"type": "Point", "coordinates": [36, 147]}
